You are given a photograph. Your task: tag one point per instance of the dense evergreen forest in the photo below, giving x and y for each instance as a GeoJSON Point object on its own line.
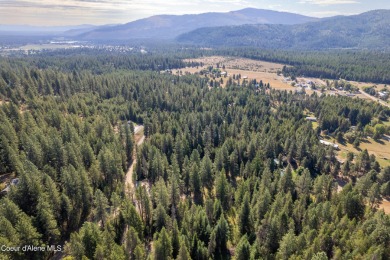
{"type": "Point", "coordinates": [234, 173]}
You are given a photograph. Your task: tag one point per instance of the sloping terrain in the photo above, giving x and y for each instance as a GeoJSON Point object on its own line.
{"type": "Point", "coordinates": [170, 26]}
{"type": "Point", "coordinates": [369, 30]}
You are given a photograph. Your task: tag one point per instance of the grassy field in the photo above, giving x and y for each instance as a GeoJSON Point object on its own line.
{"type": "Point", "coordinates": [265, 71]}
{"type": "Point", "coordinates": [380, 149]}
{"type": "Point", "coordinates": [239, 63]}
{"type": "Point", "coordinates": [250, 69]}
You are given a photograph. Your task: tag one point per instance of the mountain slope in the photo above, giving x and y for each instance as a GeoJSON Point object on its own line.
{"type": "Point", "coordinates": [368, 30]}
{"type": "Point", "coordinates": [170, 26]}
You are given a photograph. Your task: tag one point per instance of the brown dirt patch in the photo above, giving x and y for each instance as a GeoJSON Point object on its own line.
{"type": "Point", "coordinates": [385, 205]}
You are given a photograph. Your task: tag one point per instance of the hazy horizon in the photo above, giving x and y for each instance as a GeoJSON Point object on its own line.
{"type": "Point", "coordinates": [99, 12]}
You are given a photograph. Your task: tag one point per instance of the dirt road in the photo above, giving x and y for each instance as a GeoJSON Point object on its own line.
{"type": "Point", "coordinates": [375, 99]}
{"type": "Point", "coordinates": [139, 138]}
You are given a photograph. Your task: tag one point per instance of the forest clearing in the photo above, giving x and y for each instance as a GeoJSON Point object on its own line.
{"type": "Point", "coordinates": [268, 72]}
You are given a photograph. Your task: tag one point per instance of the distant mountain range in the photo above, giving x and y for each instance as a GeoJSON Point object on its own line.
{"type": "Point", "coordinates": [171, 26]}
{"type": "Point", "coordinates": [160, 26]}
{"type": "Point", "coordinates": [246, 27]}
{"type": "Point", "coordinates": [370, 30]}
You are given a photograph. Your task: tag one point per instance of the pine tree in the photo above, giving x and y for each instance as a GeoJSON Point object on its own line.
{"type": "Point", "coordinates": [304, 182]}
{"type": "Point", "coordinates": [183, 252]}
{"type": "Point", "coordinates": [129, 143]}
{"type": "Point", "coordinates": [243, 249]}
{"type": "Point", "coordinates": [288, 246]}
{"type": "Point", "coordinates": [176, 244]}
{"type": "Point", "coordinates": [196, 184]}
{"type": "Point", "coordinates": [130, 216]}
{"type": "Point", "coordinates": [47, 223]}
{"type": "Point", "coordinates": [160, 217]}
{"type": "Point", "coordinates": [207, 172]}
{"type": "Point", "coordinates": [286, 183]}
{"type": "Point", "coordinates": [131, 243]}
{"type": "Point", "coordinates": [162, 246]}
{"type": "Point", "coordinates": [222, 190]}
{"type": "Point", "coordinates": [244, 216]}
{"type": "Point", "coordinates": [101, 203]}
{"type": "Point", "coordinates": [174, 194]}
{"type": "Point", "coordinates": [219, 238]}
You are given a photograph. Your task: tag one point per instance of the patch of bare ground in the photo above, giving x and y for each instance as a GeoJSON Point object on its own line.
{"type": "Point", "coordinates": [24, 108]}
{"type": "Point", "coordinates": [385, 205]}
{"type": "Point", "coordinates": [341, 182]}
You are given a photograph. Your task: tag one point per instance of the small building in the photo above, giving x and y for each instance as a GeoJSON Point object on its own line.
{"type": "Point", "coordinates": [329, 144]}
{"type": "Point", "coordinates": [383, 95]}
{"type": "Point", "coordinates": [311, 118]}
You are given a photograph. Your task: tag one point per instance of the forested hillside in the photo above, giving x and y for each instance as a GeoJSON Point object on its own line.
{"type": "Point", "coordinates": [364, 31]}
{"type": "Point", "coordinates": [170, 26]}
{"type": "Point", "coordinates": [234, 173]}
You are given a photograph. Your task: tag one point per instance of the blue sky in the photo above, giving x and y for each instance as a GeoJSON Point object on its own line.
{"type": "Point", "coordinates": [72, 12]}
